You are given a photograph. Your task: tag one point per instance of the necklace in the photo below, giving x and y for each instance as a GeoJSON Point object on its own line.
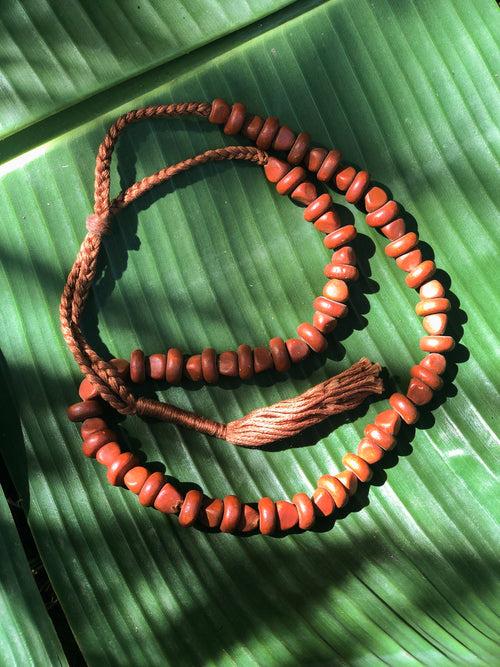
{"type": "Point", "coordinates": [107, 382]}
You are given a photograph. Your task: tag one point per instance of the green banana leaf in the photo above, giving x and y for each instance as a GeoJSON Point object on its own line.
{"type": "Point", "coordinates": [408, 574]}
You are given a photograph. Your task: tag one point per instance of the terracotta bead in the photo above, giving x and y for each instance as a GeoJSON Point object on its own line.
{"type": "Point", "coordinates": [349, 481]}
{"type": "Point", "coordinates": [344, 178]}
{"type": "Point", "coordinates": [93, 442]}
{"type": "Point", "coordinates": [431, 306]}
{"type": "Point", "coordinates": [436, 324]}
{"type": "Point", "coordinates": [267, 516]}
{"type": "Point", "coordinates": [134, 478]}
{"type": "Point", "coordinates": [120, 466]}
{"type": "Point", "coordinates": [137, 367]}
{"type": "Point", "coordinates": [190, 508]}
{"type": "Point", "coordinates": [108, 453]}
{"type": "Point", "coordinates": [404, 407]}
{"type": "Point", "coordinates": [314, 159]}
{"type": "Point", "coordinates": [267, 133]}
{"type": "Point", "coordinates": [437, 343]}
{"type": "Point", "coordinates": [173, 369]}
{"type": "Point", "coordinates": [262, 360]}
{"type": "Point", "coordinates": [358, 466]}
{"type": "Point", "coordinates": [329, 307]}
{"type": "Point", "coordinates": [369, 451]}
{"type": "Point", "coordinates": [151, 488]}
{"type": "Point", "coordinates": [209, 365]}
{"type": "Point", "coordinates": [341, 271]}
{"type": "Point", "coordinates": [169, 499]}
{"type": "Point", "coordinates": [418, 392]}
{"type": "Point", "coordinates": [434, 362]}
{"type": "Point", "coordinates": [379, 436]}
{"type": "Point", "coordinates": [345, 255]}
{"type": "Point", "coordinates": [375, 198]}
{"type": "Point", "coordinates": [420, 274]}
{"type": "Point", "coordinates": [228, 364]}
{"type": "Point", "coordinates": [357, 187]}
{"type": "Point", "coordinates": [401, 245]}
{"type": "Point", "coordinates": [193, 368]}
{"type": "Point", "coordinates": [430, 378]}
{"type": "Point", "coordinates": [275, 169]}
{"type": "Point", "coordinates": [279, 354]}
{"type": "Point", "coordinates": [79, 412]}
{"type": "Point", "coordinates": [122, 366]}
{"type": "Point", "coordinates": [288, 517]}
{"type": "Point", "coordinates": [409, 260]}
{"type": "Point", "coordinates": [91, 426]}
{"type": "Point", "coordinates": [299, 148]}
{"type": "Point", "coordinates": [383, 215]}
{"type": "Point", "coordinates": [297, 349]}
{"type": "Point", "coordinates": [249, 519]}
{"type": "Point", "coordinates": [329, 166]}
{"type": "Point", "coordinates": [305, 193]}
{"type": "Point", "coordinates": [335, 488]}
{"type": "Point", "coordinates": [323, 503]}
{"type": "Point", "coordinates": [340, 236]}
{"type": "Point", "coordinates": [236, 119]}
{"type": "Point", "coordinates": [389, 421]}
{"type": "Point", "coordinates": [290, 181]}
{"type": "Point", "coordinates": [316, 341]}
{"type": "Point", "coordinates": [328, 222]}
{"type": "Point", "coordinates": [432, 290]}
{"type": "Point", "coordinates": [324, 323]}
{"type": "Point", "coordinates": [219, 112]}
{"type": "Point", "coordinates": [87, 390]}
{"type": "Point", "coordinates": [318, 208]}
{"type": "Point", "coordinates": [231, 514]}
{"type": "Point", "coordinates": [245, 362]}
{"type": "Point", "coordinates": [305, 510]}
{"type": "Point", "coordinates": [394, 230]}
{"type": "Point", "coordinates": [211, 512]}
{"type": "Point", "coordinates": [157, 366]}
{"type": "Point", "coordinates": [252, 127]}
{"type": "Point", "coordinates": [284, 140]}
{"type": "Point", "coordinates": [336, 290]}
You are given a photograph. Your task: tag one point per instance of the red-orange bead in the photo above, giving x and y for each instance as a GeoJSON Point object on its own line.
{"type": "Point", "coordinates": [193, 368]}
{"type": "Point", "coordinates": [267, 132]}
{"type": "Point", "coordinates": [340, 236]}
{"type": "Point", "coordinates": [137, 367]}
{"type": "Point", "coordinates": [437, 343]}
{"type": "Point", "coordinates": [252, 127]}
{"type": "Point", "coordinates": [91, 426]}
{"type": "Point", "coordinates": [358, 466]}
{"type": "Point", "coordinates": [435, 324]}
{"type": "Point", "coordinates": [383, 215]}
{"type": "Point", "coordinates": [328, 222]}
{"type": "Point", "coordinates": [290, 181]}
{"type": "Point", "coordinates": [94, 441]}
{"type": "Point", "coordinates": [369, 451]}
{"type": "Point", "coordinates": [169, 499]}
{"type": "Point", "coordinates": [409, 260]}
{"type": "Point", "coordinates": [236, 119]}
{"type": "Point", "coordinates": [279, 353]}
{"type": "Point", "coordinates": [335, 488]}
{"type": "Point", "coordinates": [108, 453]}
{"type": "Point", "coordinates": [344, 178]}
{"type": "Point", "coordinates": [219, 111]}
{"type": "Point", "coordinates": [134, 479]}
{"type": "Point", "coordinates": [297, 349]}
{"type": "Point", "coordinates": [329, 166]}
{"type": "Point", "coordinates": [341, 271]}
{"type": "Point", "coordinates": [299, 148]}
{"type": "Point", "coordinates": [312, 337]}
{"type": "Point", "coordinates": [357, 187]}
{"type": "Point", "coordinates": [267, 516]}
{"type": "Point", "coordinates": [209, 365]}
{"type": "Point", "coordinates": [401, 245]}
{"type": "Point", "coordinates": [231, 514]}
{"type": "Point", "coordinates": [389, 421]}
{"type": "Point", "coordinates": [305, 510]}
{"type": "Point", "coordinates": [120, 466]}
{"type": "Point", "coordinates": [418, 392]}
{"type": "Point", "coordinates": [404, 407]}
{"type": "Point", "coordinates": [87, 390]}
{"type": "Point", "coordinates": [434, 362]}
{"type": "Point", "coordinates": [314, 159]}
{"type": "Point", "coordinates": [375, 198]}
{"type": "Point", "coordinates": [211, 512]}
{"type": "Point", "coordinates": [420, 274]}
{"type": "Point", "coordinates": [379, 436]}
{"type": "Point", "coordinates": [425, 375]}
{"type": "Point", "coordinates": [336, 290]}
{"type": "Point", "coordinates": [275, 169]}
{"type": "Point", "coordinates": [329, 307]}
{"type": "Point", "coordinates": [344, 255]}
{"type": "Point", "coordinates": [173, 369]}
{"type": "Point", "coordinates": [431, 306]}
{"type": "Point", "coordinates": [431, 290]}
{"type": "Point", "coordinates": [288, 516]}
{"type": "Point", "coordinates": [323, 502]}
{"type": "Point", "coordinates": [151, 488]}
{"type": "Point", "coordinates": [190, 508]}
{"type": "Point", "coordinates": [262, 360]}
{"type": "Point", "coordinates": [324, 323]}
{"type": "Point", "coordinates": [79, 412]}
{"type": "Point", "coordinates": [318, 207]}
{"type": "Point", "coordinates": [394, 230]}
{"type": "Point", "coordinates": [284, 140]}
{"type": "Point", "coordinates": [305, 193]}
{"type": "Point", "coordinates": [227, 364]}
{"type": "Point", "coordinates": [157, 364]}
{"type": "Point", "coordinates": [245, 362]}
{"type": "Point", "coordinates": [349, 481]}
{"type": "Point", "coordinates": [249, 519]}
{"type": "Point", "coordinates": [122, 367]}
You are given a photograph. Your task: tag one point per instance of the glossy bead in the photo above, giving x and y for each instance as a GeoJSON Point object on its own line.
{"type": "Point", "coordinates": [151, 488]}
{"type": "Point", "coordinates": [169, 499]}
{"type": "Point", "coordinates": [297, 349]}
{"type": "Point", "coordinates": [437, 343]}
{"type": "Point", "coordinates": [299, 148]}
{"type": "Point", "coordinates": [357, 187]}
{"type": "Point", "coordinates": [315, 339]}
{"type": "Point", "coordinates": [305, 193]}
{"type": "Point", "coordinates": [344, 178]}
{"type": "Point", "coordinates": [434, 362]}
{"type": "Point", "coordinates": [235, 120]}
{"type": "Point", "coordinates": [336, 290]}
{"type": "Point", "coordinates": [341, 271]}
{"type": "Point", "coordinates": [369, 451]}
{"type": "Point", "coordinates": [344, 255]}
{"type": "Point", "coordinates": [375, 198]}
{"type": "Point", "coordinates": [383, 215]}
{"type": "Point", "coordinates": [193, 368]}
{"type": "Point", "coordinates": [305, 510]}
{"type": "Point", "coordinates": [420, 274]}
{"type": "Point", "coordinates": [122, 367]}
{"type": "Point", "coordinates": [284, 140]}
{"type": "Point", "coordinates": [340, 236]}
{"type": "Point", "coordinates": [358, 466]}
{"type": "Point", "coordinates": [87, 390]}
{"type": "Point", "coordinates": [409, 260]}
{"type": "Point", "coordinates": [79, 412]}
{"type": "Point", "coordinates": [108, 453]}
{"type": "Point", "coordinates": [230, 515]}
{"type": "Point", "coordinates": [211, 512]}
{"type": "Point", "coordinates": [394, 230]}
{"type": "Point", "coordinates": [262, 360]}
{"type": "Point", "coordinates": [349, 481]}
{"type": "Point", "coordinates": [157, 364]}
{"type": "Point", "coordinates": [379, 436]}
{"type": "Point", "coordinates": [267, 516]}
{"type": "Point", "coordinates": [134, 479]}
{"type": "Point", "coordinates": [91, 426]}
{"type": "Point", "coordinates": [275, 169]}
{"type": "Point", "coordinates": [335, 488]}
{"type": "Point", "coordinates": [252, 127]}
{"type": "Point", "coordinates": [93, 442]}
{"type": "Point", "coordinates": [290, 181]}
{"type": "Point", "coordinates": [432, 290]}
{"type": "Point", "coordinates": [249, 519]}
{"type": "Point", "coordinates": [219, 111]}
{"type": "Point", "coordinates": [431, 306]}
{"type": "Point", "coordinates": [328, 222]}
{"type": "Point", "coordinates": [279, 354]}
{"type": "Point", "coordinates": [228, 364]}
{"type": "Point", "coordinates": [436, 324]}
{"type": "Point", "coordinates": [324, 323]}
{"type": "Point", "coordinates": [137, 367]}
{"type": "Point", "coordinates": [314, 159]}
{"type": "Point", "coordinates": [120, 466]}
{"type": "Point", "coordinates": [329, 166]}
{"type": "Point", "coordinates": [245, 362]}
{"type": "Point", "coordinates": [190, 508]}
{"type": "Point", "coordinates": [418, 392]}
{"type": "Point", "coordinates": [318, 207]}
{"type": "Point", "coordinates": [389, 421]}
{"type": "Point", "coordinates": [209, 365]}
{"type": "Point", "coordinates": [267, 133]}
{"type": "Point", "coordinates": [173, 368]}
{"type": "Point", "coordinates": [323, 503]}
{"type": "Point", "coordinates": [288, 517]}
{"type": "Point", "coordinates": [329, 307]}
{"type": "Point", "coordinates": [401, 245]}
{"type": "Point", "coordinates": [430, 378]}
{"type": "Point", "coordinates": [404, 407]}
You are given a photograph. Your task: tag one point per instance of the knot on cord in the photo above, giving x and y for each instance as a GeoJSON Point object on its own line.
{"type": "Point", "coordinates": [98, 225]}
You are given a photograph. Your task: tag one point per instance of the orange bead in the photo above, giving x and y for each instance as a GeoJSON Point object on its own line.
{"type": "Point", "coordinates": [79, 412]}
{"type": "Point", "coordinates": [335, 488]}
{"type": "Point", "coordinates": [267, 516]}
{"type": "Point", "coordinates": [299, 148]}
{"type": "Point", "coordinates": [151, 488]}
{"type": "Point", "coordinates": [193, 368]}
{"type": "Point", "coordinates": [341, 271]}
{"type": "Point", "coordinates": [173, 368]}
{"type": "Point", "coordinates": [190, 508]}
{"type": "Point", "coordinates": [329, 166]}
{"type": "Point", "coordinates": [314, 159]}
{"type": "Point", "coordinates": [358, 466]}
{"type": "Point", "coordinates": [108, 453]}
{"type": "Point", "coordinates": [290, 181]}
{"type": "Point", "coordinates": [262, 360]}
{"type": "Point", "coordinates": [236, 119]}
{"type": "Point", "coordinates": [275, 169]}
{"type": "Point", "coordinates": [323, 503]}
{"type": "Point", "coordinates": [389, 421]}
{"type": "Point", "coordinates": [87, 390]}
{"type": "Point", "coordinates": [431, 306]}
{"type": "Point", "coordinates": [156, 365]}
{"type": "Point", "coordinates": [267, 132]}
{"type": "Point", "coordinates": [227, 364]}
{"type": "Point", "coordinates": [357, 187]}
{"type": "Point", "coordinates": [383, 215]}
{"type": "Point", "coordinates": [420, 274]}
{"type": "Point", "coordinates": [284, 140]}
{"type": "Point", "coordinates": [288, 517]}
{"type": "Point", "coordinates": [328, 222]}
{"type": "Point", "coordinates": [305, 510]}
{"type": "Point", "coordinates": [336, 290]}
{"type": "Point", "coordinates": [324, 323]}
{"type": "Point", "coordinates": [434, 362]}
{"type": "Point", "coordinates": [209, 365]}
{"type": "Point", "coordinates": [231, 514]}
{"type": "Point", "coordinates": [394, 230]}
{"type": "Point", "coordinates": [369, 451]}
{"type": "Point", "coordinates": [431, 290]}
{"type": "Point", "coordinates": [249, 519]}
{"type": "Point", "coordinates": [94, 441]}
{"type": "Point", "coordinates": [345, 255]}
{"type": "Point", "coordinates": [122, 367]}
{"type": "Point", "coordinates": [379, 436]}
{"type": "Point", "coordinates": [340, 236]}
{"type": "Point", "coordinates": [349, 481]}
{"type": "Point", "coordinates": [318, 207]}
{"type": "Point", "coordinates": [252, 127]}
{"type": "Point", "coordinates": [169, 500]}
{"type": "Point", "coordinates": [418, 392]}
{"type": "Point", "coordinates": [297, 349]}
{"type": "Point", "coordinates": [91, 426]}
{"type": "Point", "coordinates": [344, 178]}
{"type": "Point", "coordinates": [305, 193]}
{"type": "Point", "coordinates": [245, 362]}
{"type": "Point", "coordinates": [404, 407]}
{"type": "Point", "coordinates": [436, 324]}
{"type": "Point", "coordinates": [137, 367]}
{"type": "Point", "coordinates": [134, 479]}
{"type": "Point", "coordinates": [119, 468]}
{"type": "Point", "coordinates": [409, 260]}
{"type": "Point", "coordinates": [375, 198]}
{"type": "Point", "coordinates": [425, 375]}
{"type": "Point", "coordinates": [312, 337]}
{"type": "Point", "coordinates": [211, 512]}
{"type": "Point", "coordinates": [437, 343]}
{"type": "Point", "coordinates": [329, 307]}
{"type": "Point", "coordinates": [279, 353]}
{"type": "Point", "coordinates": [219, 111]}
{"type": "Point", "coordinates": [401, 245]}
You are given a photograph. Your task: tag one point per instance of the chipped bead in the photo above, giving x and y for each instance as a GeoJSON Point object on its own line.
{"type": "Point", "coordinates": [435, 325]}
{"type": "Point", "coordinates": [108, 453]}
{"type": "Point", "coordinates": [329, 307]}
{"type": "Point", "coordinates": [349, 481]}
{"type": "Point", "coordinates": [219, 111]}
{"type": "Point", "coordinates": [323, 503]}
{"type": "Point", "coordinates": [341, 271]}
{"type": "Point", "coordinates": [137, 367]}
{"type": "Point", "coordinates": [79, 412]}
{"type": "Point", "coordinates": [279, 354]}
{"type": "Point", "coordinates": [383, 215]}
{"type": "Point", "coordinates": [297, 349]}
{"type": "Point", "coordinates": [425, 375]}
{"type": "Point", "coordinates": [284, 140]}
{"type": "Point", "coordinates": [324, 323]}
{"type": "Point", "coordinates": [389, 421]}
{"type": "Point", "coordinates": [299, 148]}
{"type": "Point", "coordinates": [245, 362]}
{"type": "Point", "coordinates": [230, 515]}
{"type": "Point", "coordinates": [358, 466]}
{"type": "Point", "coordinates": [290, 181]}
{"type": "Point", "coordinates": [168, 500]}
{"type": "Point", "coordinates": [173, 368]}
{"type": "Point", "coordinates": [314, 159]}
{"type": "Point", "coordinates": [209, 365]}
{"type": "Point", "coordinates": [228, 364]}
{"type": "Point", "coordinates": [236, 119]}
{"type": "Point", "coordinates": [288, 517]}
{"type": "Point", "coordinates": [401, 245]}
{"type": "Point", "coordinates": [379, 436]}
{"type": "Point", "coordinates": [437, 343]}
{"type": "Point", "coordinates": [120, 466]}
{"type": "Point", "coordinates": [275, 169]}
{"type": "Point", "coordinates": [357, 187]}
{"type": "Point", "coordinates": [418, 392]}
{"type": "Point", "coordinates": [404, 407]}
{"type": "Point", "coordinates": [87, 390]}
{"type": "Point", "coordinates": [369, 451]}
{"type": "Point", "coordinates": [329, 166]}
{"type": "Point", "coordinates": [91, 426]}
{"type": "Point", "coordinates": [340, 236]}
{"type": "Point", "coordinates": [267, 132]}
{"type": "Point", "coordinates": [157, 364]}
{"type": "Point", "coordinates": [305, 193]}
{"type": "Point", "coordinates": [262, 360]}
{"type": "Point", "coordinates": [431, 290]}
{"type": "Point", "coordinates": [409, 260]}
{"type": "Point", "coordinates": [211, 512]}
{"type": "Point", "coordinates": [305, 510]}
{"type": "Point", "coordinates": [193, 368]}
{"type": "Point", "coordinates": [375, 198]}
{"type": "Point", "coordinates": [312, 337]}
{"type": "Point", "coordinates": [134, 479]}
{"type": "Point", "coordinates": [328, 222]}
{"type": "Point", "coordinates": [394, 230]}
{"type": "Point", "coordinates": [344, 178]}
{"type": "Point", "coordinates": [318, 207]}
{"type": "Point", "coordinates": [431, 306]}
{"type": "Point", "coordinates": [151, 488]}
{"type": "Point", "coordinates": [252, 127]}
{"type": "Point", "coordinates": [267, 516]}
{"type": "Point", "coordinates": [420, 274]}
{"type": "Point", "coordinates": [249, 519]}
{"type": "Point", "coordinates": [336, 290]}
{"type": "Point", "coordinates": [345, 255]}
{"type": "Point", "coordinates": [434, 362]}
{"type": "Point", "coordinates": [190, 508]}
{"type": "Point", "coordinates": [335, 488]}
